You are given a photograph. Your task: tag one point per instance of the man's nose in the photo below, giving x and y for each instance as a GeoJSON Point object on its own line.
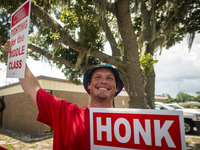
{"type": "Point", "coordinates": [103, 80]}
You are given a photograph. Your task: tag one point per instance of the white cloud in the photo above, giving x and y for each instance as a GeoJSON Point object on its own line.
{"type": "Point", "coordinates": [179, 66]}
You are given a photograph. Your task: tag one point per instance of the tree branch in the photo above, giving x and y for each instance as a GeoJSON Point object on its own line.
{"type": "Point", "coordinates": [79, 60]}
{"type": "Point", "coordinates": [105, 27]}
{"type": "Point", "coordinates": [69, 41]}
{"type": "Point", "coordinates": [102, 56]}
{"type": "Point", "coordinates": [110, 37]}
{"type": "Point", "coordinates": [50, 56]}
{"type": "Point", "coordinates": [162, 2]}
{"type": "Point", "coordinates": [109, 6]}
{"type": "Point", "coordinates": [59, 59]}
{"type": "Point", "coordinates": [90, 51]}
{"type": "Point", "coordinates": [146, 28]}
{"type": "Point", "coordinates": [46, 18]}
{"type": "Point", "coordinates": [115, 60]}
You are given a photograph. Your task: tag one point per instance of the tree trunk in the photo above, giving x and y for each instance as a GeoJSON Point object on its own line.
{"type": "Point", "coordinates": [134, 80]}
{"type": "Point", "coordinates": [150, 89]}
{"type": "Point", "coordinates": [150, 82]}
{"type": "Point", "coordinates": [135, 87]}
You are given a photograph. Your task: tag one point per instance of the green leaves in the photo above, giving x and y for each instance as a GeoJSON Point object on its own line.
{"type": "Point", "coordinates": [55, 36]}
{"type": "Point", "coordinates": [147, 62]}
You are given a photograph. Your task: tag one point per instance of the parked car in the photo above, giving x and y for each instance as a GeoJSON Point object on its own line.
{"type": "Point", "coordinates": [191, 116]}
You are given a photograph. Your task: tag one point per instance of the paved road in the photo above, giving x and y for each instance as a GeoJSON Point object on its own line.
{"type": "Point", "coordinates": [194, 134]}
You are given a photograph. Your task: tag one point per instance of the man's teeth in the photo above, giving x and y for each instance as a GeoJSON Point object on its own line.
{"type": "Point", "coordinates": [102, 89]}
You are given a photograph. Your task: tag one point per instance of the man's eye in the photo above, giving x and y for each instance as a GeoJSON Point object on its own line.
{"type": "Point", "coordinates": [97, 77]}
{"type": "Point", "coordinates": [110, 78]}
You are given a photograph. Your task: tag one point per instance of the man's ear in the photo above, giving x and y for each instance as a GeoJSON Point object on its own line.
{"type": "Point", "coordinates": [116, 90]}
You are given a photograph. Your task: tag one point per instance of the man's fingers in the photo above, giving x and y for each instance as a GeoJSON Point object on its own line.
{"type": "Point", "coordinates": [7, 46]}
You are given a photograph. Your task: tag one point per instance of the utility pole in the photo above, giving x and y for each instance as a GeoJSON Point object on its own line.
{"type": "Point", "coordinates": [180, 93]}
{"type": "Point", "coordinates": [185, 98]}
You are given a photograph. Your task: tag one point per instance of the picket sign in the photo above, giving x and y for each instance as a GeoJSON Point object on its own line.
{"type": "Point", "coordinates": [125, 129]}
{"type": "Point", "coordinates": [19, 39]}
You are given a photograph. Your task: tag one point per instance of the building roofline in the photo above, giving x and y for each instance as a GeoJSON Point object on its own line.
{"type": "Point", "coordinates": [52, 79]}
{"type": "Point", "coordinates": [41, 77]}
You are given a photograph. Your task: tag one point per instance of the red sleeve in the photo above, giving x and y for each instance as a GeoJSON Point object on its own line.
{"type": "Point", "coordinates": [48, 107]}
{"type": "Point", "coordinates": [1, 148]}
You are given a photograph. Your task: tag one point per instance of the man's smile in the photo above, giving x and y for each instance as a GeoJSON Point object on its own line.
{"type": "Point", "coordinates": [103, 87]}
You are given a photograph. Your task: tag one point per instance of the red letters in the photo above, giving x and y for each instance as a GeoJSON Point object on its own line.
{"type": "Point", "coordinates": [13, 42]}
{"type": "Point", "coordinates": [17, 52]}
{"type": "Point", "coordinates": [19, 28]}
{"type": "Point", "coordinates": [15, 65]}
{"type": "Point", "coordinates": [20, 14]}
{"type": "Point", "coordinates": [20, 39]}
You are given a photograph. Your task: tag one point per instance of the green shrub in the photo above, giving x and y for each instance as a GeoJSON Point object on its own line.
{"type": "Point", "coordinates": [187, 106]}
{"type": "Point", "coordinates": [190, 106]}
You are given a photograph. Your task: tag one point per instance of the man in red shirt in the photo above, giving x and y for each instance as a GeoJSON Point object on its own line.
{"type": "Point", "coordinates": [69, 122]}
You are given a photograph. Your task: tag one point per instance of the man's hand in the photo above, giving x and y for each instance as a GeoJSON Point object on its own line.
{"type": "Point", "coordinates": [29, 83]}
{"type": "Point", "coordinates": [7, 46]}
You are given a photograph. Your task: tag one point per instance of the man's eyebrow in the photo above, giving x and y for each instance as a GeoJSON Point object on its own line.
{"type": "Point", "coordinates": [107, 75]}
{"type": "Point", "coordinates": [97, 74]}
{"type": "Point", "coordinates": [111, 75]}
{"type": "Point", "coordinates": [101, 73]}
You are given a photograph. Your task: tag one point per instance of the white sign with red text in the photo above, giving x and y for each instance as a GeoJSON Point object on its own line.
{"type": "Point", "coordinates": [19, 39]}
{"type": "Point", "coordinates": [125, 129]}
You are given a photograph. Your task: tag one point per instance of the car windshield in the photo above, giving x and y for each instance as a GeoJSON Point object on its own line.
{"type": "Point", "coordinates": [163, 107]}
{"type": "Point", "coordinates": [176, 106]}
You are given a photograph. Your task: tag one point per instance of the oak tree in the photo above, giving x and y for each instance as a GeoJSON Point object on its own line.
{"type": "Point", "coordinates": [72, 34]}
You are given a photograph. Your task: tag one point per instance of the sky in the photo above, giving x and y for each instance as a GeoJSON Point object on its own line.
{"type": "Point", "coordinates": [178, 69]}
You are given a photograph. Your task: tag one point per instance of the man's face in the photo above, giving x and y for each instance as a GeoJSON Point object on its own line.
{"type": "Point", "coordinates": [103, 84]}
